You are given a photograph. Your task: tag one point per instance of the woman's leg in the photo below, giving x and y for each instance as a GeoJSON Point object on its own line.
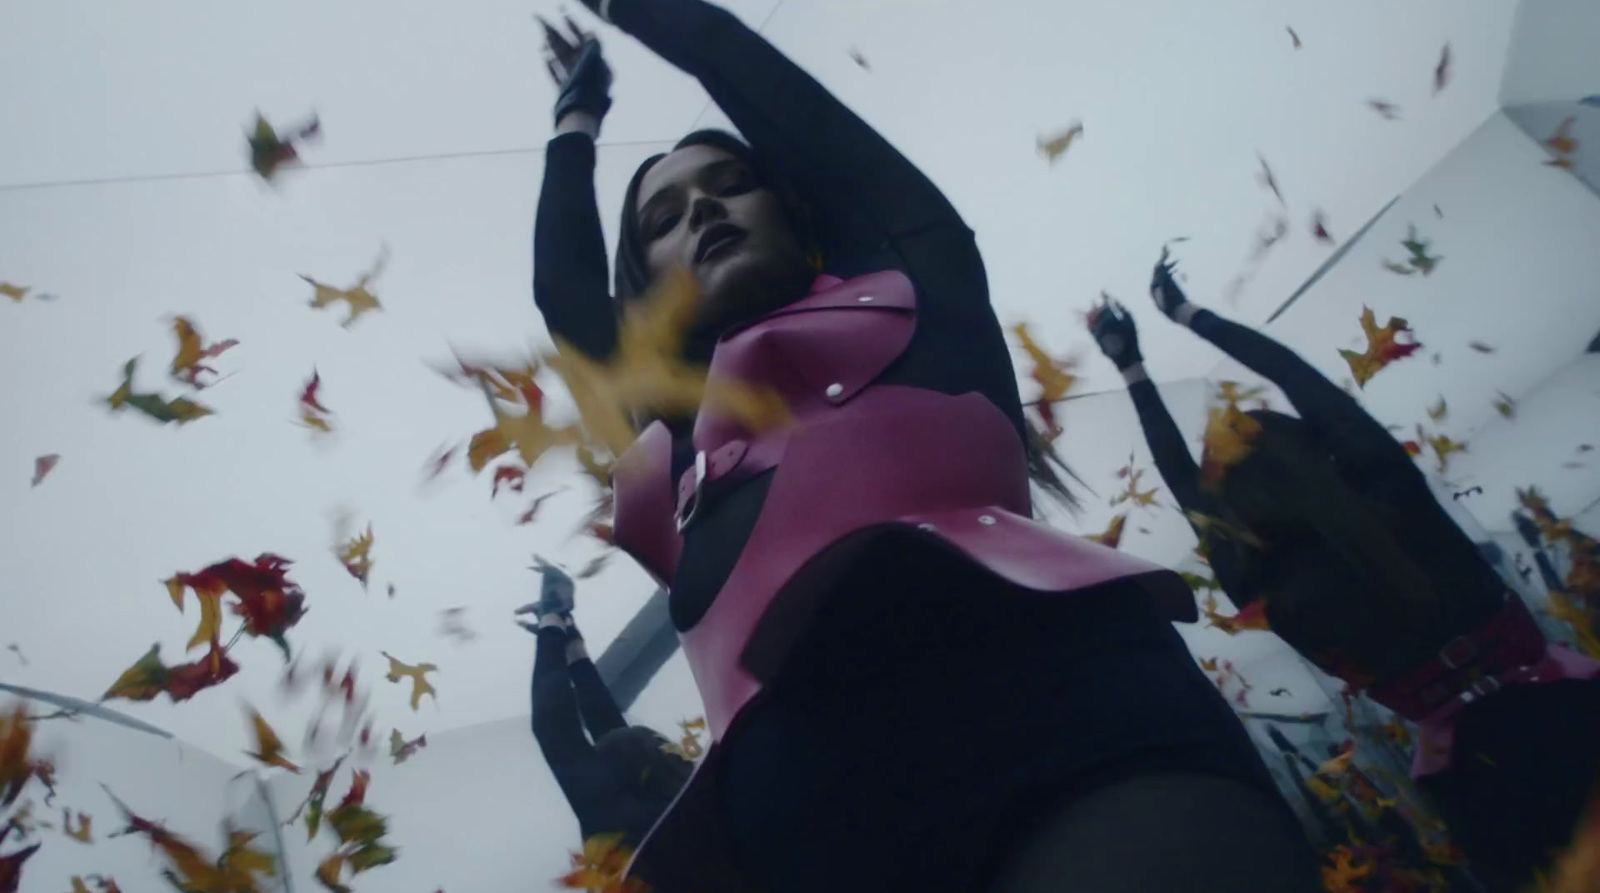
{"type": "Point", "coordinates": [1170, 833]}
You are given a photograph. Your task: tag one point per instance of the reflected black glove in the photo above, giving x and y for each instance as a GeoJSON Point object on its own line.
{"type": "Point", "coordinates": [1164, 290]}
{"type": "Point", "coordinates": [579, 69]}
{"type": "Point", "coordinates": [1112, 327]}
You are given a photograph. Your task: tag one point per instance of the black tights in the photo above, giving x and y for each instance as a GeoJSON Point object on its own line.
{"type": "Point", "coordinates": [1172, 833]}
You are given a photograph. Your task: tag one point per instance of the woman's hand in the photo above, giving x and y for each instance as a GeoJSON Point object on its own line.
{"type": "Point", "coordinates": [1112, 327]}
{"type": "Point", "coordinates": [580, 72]}
{"type": "Point", "coordinates": [1169, 297]}
{"type": "Point", "coordinates": [556, 589]}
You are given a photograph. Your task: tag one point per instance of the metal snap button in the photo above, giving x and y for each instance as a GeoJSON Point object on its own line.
{"type": "Point", "coordinates": [835, 389]}
{"type": "Point", "coordinates": [986, 520]}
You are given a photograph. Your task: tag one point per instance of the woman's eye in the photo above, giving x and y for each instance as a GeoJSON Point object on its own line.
{"type": "Point", "coordinates": [663, 225]}
{"type": "Point", "coordinates": [738, 184]}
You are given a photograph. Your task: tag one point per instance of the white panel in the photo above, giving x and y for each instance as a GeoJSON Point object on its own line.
{"type": "Point", "coordinates": [1518, 274]}
{"type": "Point", "coordinates": [98, 90]}
{"type": "Point", "coordinates": [132, 502]}
{"type": "Point", "coordinates": [1552, 55]}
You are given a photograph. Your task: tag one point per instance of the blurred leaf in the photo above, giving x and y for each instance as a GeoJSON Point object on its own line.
{"type": "Point", "coordinates": [42, 466]}
{"type": "Point", "coordinates": [358, 298]}
{"type": "Point", "coordinates": [193, 351]}
{"type": "Point", "coordinates": [1383, 347]}
{"type": "Point", "coordinates": [418, 674]}
{"type": "Point", "coordinates": [269, 747]}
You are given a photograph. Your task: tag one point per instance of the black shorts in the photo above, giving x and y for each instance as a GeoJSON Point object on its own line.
{"type": "Point", "coordinates": [933, 713]}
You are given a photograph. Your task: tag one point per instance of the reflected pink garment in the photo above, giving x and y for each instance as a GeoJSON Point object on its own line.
{"type": "Point", "coordinates": [858, 458]}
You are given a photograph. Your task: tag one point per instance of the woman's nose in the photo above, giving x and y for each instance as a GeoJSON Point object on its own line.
{"type": "Point", "coordinates": [706, 211]}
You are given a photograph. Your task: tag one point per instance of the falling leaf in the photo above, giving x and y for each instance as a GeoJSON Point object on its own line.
{"type": "Point", "coordinates": [533, 509]}
{"type": "Point", "coordinates": [149, 677]}
{"type": "Point", "coordinates": [1053, 147]}
{"type": "Point", "coordinates": [357, 297]}
{"type": "Point", "coordinates": [1293, 36]}
{"type": "Point", "coordinates": [42, 466]}
{"type": "Point", "coordinates": [269, 152]}
{"type": "Point", "coordinates": [328, 872]}
{"type": "Point", "coordinates": [1229, 438]}
{"type": "Point", "coordinates": [1395, 732]}
{"type": "Point", "coordinates": [600, 866]}
{"type": "Point", "coordinates": [1112, 535]}
{"type": "Point", "coordinates": [84, 832]}
{"type": "Point", "coordinates": [1056, 378]}
{"type": "Point", "coordinates": [1480, 347]}
{"type": "Point", "coordinates": [11, 863]}
{"type": "Point", "coordinates": [513, 476]}
{"type": "Point", "coordinates": [269, 748]}
{"type": "Point", "coordinates": [187, 364]}
{"type": "Point", "coordinates": [1441, 71]}
{"type": "Point", "coordinates": [14, 292]}
{"type": "Point", "coordinates": [355, 555]}
{"type": "Point", "coordinates": [1209, 664]}
{"type": "Point", "coordinates": [1252, 617]}
{"type": "Point", "coordinates": [1383, 347]}
{"type": "Point", "coordinates": [595, 566]}
{"type": "Point", "coordinates": [181, 410]}
{"type": "Point", "coordinates": [1438, 411]}
{"type": "Point", "coordinates": [452, 624]}
{"type": "Point", "coordinates": [239, 869]}
{"type": "Point", "coordinates": [1265, 178]}
{"type": "Point", "coordinates": [312, 805]}
{"type": "Point", "coordinates": [16, 649]}
{"type": "Point", "coordinates": [1399, 269]}
{"type": "Point", "coordinates": [1388, 110]}
{"type": "Point", "coordinates": [18, 764]}
{"type": "Point", "coordinates": [1562, 142]}
{"type": "Point", "coordinates": [438, 462]}
{"type": "Point", "coordinates": [857, 57]}
{"type": "Point", "coordinates": [401, 749]}
{"type": "Point", "coordinates": [1443, 448]}
{"type": "Point", "coordinates": [1275, 231]}
{"type": "Point", "coordinates": [1420, 259]}
{"type": "Point", "coordinates": [688, 747]}
{"type": "Point", "coordinates": [312, 413]}
{"type": "Point", "coordinates": [268, 600]}
{"type": "Point", "coordinates": [1319, 228]}
{"type": "Point", "coordinates": [419, 682]}
{"type": "Point", "coordinates": [1505, 405]}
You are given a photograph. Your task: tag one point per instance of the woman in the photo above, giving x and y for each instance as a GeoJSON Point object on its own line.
{"type": "Point", "coordinates": [910, 685]}
{"type": "Point", "coordinates": [1328, 521]}
{"type": "Point", "coordinates": [618, 779]}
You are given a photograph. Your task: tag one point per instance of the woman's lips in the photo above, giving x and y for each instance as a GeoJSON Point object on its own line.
{"type": "Point", "coordinates": [720, 241]}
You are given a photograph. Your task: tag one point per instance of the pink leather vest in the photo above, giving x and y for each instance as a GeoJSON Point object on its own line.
{"type": "Point", "coordinates": [858, 456]}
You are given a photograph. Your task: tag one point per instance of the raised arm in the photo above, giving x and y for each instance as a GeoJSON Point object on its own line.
{"type": "Point", "coordinates": [570, 272]}
{"type": "Point", "coordinates": [1345, 429]}
{"type": "Point", "coordinates": [600, 711]}
{"type": "Point", "coordinates": [840, 163]}
{"type": "Point", "coordinates": [558, 727]}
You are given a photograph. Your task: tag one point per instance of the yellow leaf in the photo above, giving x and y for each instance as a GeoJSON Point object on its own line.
{"type": "Point", "coordinates": [1229, 438]}
{"type": "Point", "coordinates": [358, 297]}
{"type": "Point", "coordinates": [1443, 448]}
{"type": "Point", "coordinates": [1112, 535]}
{"type": "Point", "coordinates": [355, 557]}
{"type": "Point", "coordinates": [1383, 347]}
{"type": "Point", "coordinates": [14, 292]}
{"type": "Point", "coordinates": [84, 832]}
{"type": "Point", "coordinates": [418, 674]}
{"type": "Point", "coordinates": [1053, 147]}
{"type": "Point", "coordinates": [1056, 378]}
{"type": "Point", "coordinates": [269, 748]}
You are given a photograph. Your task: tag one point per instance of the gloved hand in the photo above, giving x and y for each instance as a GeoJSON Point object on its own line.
{"type": "Point", "coordinates": [579, 69]}
{"type": "Point", "coordinates": [1112, 327]}
{"type": "Point", "coordinates": [1165, 292]}
{"type": "Point", "coordinates": [556, 589]}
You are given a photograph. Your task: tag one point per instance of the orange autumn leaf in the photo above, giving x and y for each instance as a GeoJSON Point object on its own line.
{"type": "Point", "coordinates": [269, 747]}
{"type": "Point", "coordinates": [355, 555]}
{"type": "Point", "coordinates": [526, 432]}
{"type": "Point", "coordinates": [1056, 378]}
{"type": "Point", "coordinates": [193, 351]}
{"type": "Point", "coordinates": [600, 867]}
{"type": "Point", "coordinates": [1443, 448]}
{"type": "Point", "coordinates": [1230, 436]}
{"type": "Point", "coordinates": [149, 677]}
{"type": "Point", "coordinates": [18, 765]}
{"type": "Point", "coordinates": [647, 374]}
{"type": "Point", "coordinates": [239, 869]}
{"type": "Point", "coordinates": [418, 675]}
{"type": "Point", "coordinates": [1112, 535]}
{"type": "Point", "coordinates": [1252, 617]}
{"type": "Point", "coordinates": [1383, 347]}
{"type": "Point", "coordinates": [42, 466]}
{"type": "Point", "coordinates": [358, 298]}
{"type": "Point", "coordinates": [1347, 868]}
{"type": "Point", "coordinates": [1209, 664]}
{"type": "Point", "coordinates": [1132, 493]}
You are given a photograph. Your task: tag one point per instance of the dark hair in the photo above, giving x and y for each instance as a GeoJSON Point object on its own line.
{"type": "Point", "coordinates": [633, 268]}
{"type": "Point", "coordinates": [1288, 490]}
{"type": "Point", "coordinates": [652, 777]}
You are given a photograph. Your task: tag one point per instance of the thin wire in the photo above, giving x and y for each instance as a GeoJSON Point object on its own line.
{"type": "Point", "coordinates": [372, 162]}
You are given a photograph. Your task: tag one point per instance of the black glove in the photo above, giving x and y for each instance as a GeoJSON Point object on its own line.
{"type": "Point", "coordinates": [1164, 289]}
{"type": "Point", "coordinates": [579, 69]}
{"type": "Point", "coordinates": [1112, 327]}
{"type": "Point", "coordinates": [556, 589]}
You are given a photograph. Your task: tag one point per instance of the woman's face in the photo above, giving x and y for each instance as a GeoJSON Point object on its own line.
{"type": "Point", "coordinates": [702, 209]}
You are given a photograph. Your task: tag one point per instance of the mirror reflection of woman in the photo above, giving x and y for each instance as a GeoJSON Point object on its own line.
{"type": "Point", "coordinates": [910, 683]}
{"type": "Point", "coordinates": [1365, 574]}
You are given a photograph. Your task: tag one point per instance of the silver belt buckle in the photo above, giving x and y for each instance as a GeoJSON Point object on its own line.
{"type": "Point", "coordinates": [693, 505]}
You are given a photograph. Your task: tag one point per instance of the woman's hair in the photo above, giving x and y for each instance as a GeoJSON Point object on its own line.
{"type": "Point", "coordinates": [632, 266]}
{"type": "Point", "coordinates": [1288, 490]}
{"type": "Point", "coordinates": [637, 758]}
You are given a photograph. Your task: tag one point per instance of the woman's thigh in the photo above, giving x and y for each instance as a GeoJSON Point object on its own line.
{"type": "Point", "coordinates": [1172, 833]}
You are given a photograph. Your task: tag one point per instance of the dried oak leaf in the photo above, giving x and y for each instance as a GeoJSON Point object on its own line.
{"type": "Point", "coordinates": [403, 750]}
{"type": "Point", "coordinates": [83, 832]}
{"type": "Point", "coordinates": [1229, 438]}
{"type": "Point", "coordinates": [268, 600]}
{"type": "Point", "coordinates": [18, 765]}
{"type": "Point", "coordinates": [1132, 493]}
{"type": "Point", "coordinates": [358, 297]}
{"type": "Point", "coordinates": [187, 364]}
{"type": "Point", "coordinates": [269, 747]}
{"type": "Point", "coordinates": [14, 292]}
{"type": "Point", "coordinates": [1266, 178]}
{"type": "Point", "coordinates": [600, 866]}
{"type": "Point", "coordinates": [1383, 346]}
{"type": "Point", "coordinates": [1054, 146]}
{"type": "Point", "coordinates": [595, 566]}
{"type": "Point", "coordinates": [239, 869]}
{"type": "Point", "coordinates": [1443, 448]}
{"type": "Point", "coordinates": [355, 555]}
{"type": "Point", "coordinates": [1252, 616]}
{"type": "Point", "coordinates": [150, 677]}
{"type": "Point", "coordinates": [312, 413]}
{"type": "Point", "coordinates": [1056, 378]}
{"type": "Point", "coordinates": [418, 674]}
{"type": "Point", "coordinates": [1420, 259]}
{"type": "Point", "coordinates": [1112, 535]}
{"type": "Point", "coordinates": [1346, 870]}
{"type": "Point", "coordinates": [42, 466]}
{"type": "Point", "coordinates": [181, 410]}
{"type": "Point", "coordinates": [329, 871]}
{"type": "Point", "coordinates": [514, 477]}
{"type": "Point", "coordinates": [688, 747]}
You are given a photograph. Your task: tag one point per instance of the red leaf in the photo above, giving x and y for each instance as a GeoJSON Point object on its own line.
{"type": "Point", "coordinates": [358, 789]}
{"type": "Point", "coordinates": [1319, 228]}
{"type": "Point", "coordinates": [42, 466]}
{"type": "Point", "coordinates": [512, 476]}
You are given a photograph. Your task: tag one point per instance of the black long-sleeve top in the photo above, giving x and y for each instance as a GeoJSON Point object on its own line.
{"type": "Point", "coordinates": [876, 209]}
{"type": "Point", "coordinates": [1309, 605]}
{"type": "Point", "coordinates": [567, 698]}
